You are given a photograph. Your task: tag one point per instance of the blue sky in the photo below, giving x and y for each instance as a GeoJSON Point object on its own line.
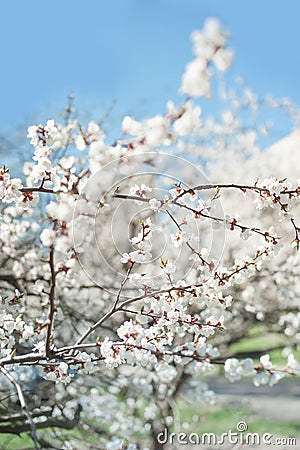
{"type": "Point", "coordinates": [133, 51]}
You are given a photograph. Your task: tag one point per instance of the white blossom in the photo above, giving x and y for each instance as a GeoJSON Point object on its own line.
{"type": "Point", "coordinates": [47, 237]}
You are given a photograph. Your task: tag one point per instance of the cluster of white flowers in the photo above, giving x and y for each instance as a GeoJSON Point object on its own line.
{"type": "Point", "coordinates": [160, 315]}
{"type": "Point", "coordinates": [263, 373]}
{"type": "Point", "coordinates": [47, 141]}
{"type": "Point", "coordinates": [139, 191]}
{"type": "Point", "coordinates": [11, 191]}
{"type": "Point", "coordinates": [153, 132]}
{"type": "Point", "coordinates": [186, 120]}
{"type": "Point", "coordinates": [42, 139]}
{"type": "Point", "coordinates": [13, 329]}
{"type": "Point", "coordinates": [208, 48]}
{"type": "Point", "coordinates": [272, 194]}
{"type": "Point", "coordinates": [163, 130]}
{"type": "Point", "coordinates": [143, 243]}
{"type": "Point", "coordinates": [147, 346]}
{"type": "Point", "coordinates": [87, 361]}
{"type": "Point", "coordinates": [59, 373]}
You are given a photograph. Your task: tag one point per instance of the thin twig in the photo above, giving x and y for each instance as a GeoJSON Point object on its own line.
{"type": "Point", "coordinates": [122, 285]}
{"type": "Point", "coordinates": [109, 313]}
{"type": "Point", "coordinates": [23, 406]}
{"type": "Point", "coordinates": [51, 302]}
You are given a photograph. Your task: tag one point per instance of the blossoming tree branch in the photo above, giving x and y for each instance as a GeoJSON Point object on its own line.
{"type": "Point", "coordinates": [123, 279]}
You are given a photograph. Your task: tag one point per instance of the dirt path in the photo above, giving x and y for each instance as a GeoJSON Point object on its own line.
{"type": "Point", "coordinates": [279, 403]}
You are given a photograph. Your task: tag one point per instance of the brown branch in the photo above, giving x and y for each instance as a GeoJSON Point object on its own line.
{"type": "Point", "coordinates": [20, 417]}
{"type": "Point", "coordinates": [10, 279]}
{"type": "Point", "coordinates": [42, 189]}
{"type": "Point", "coordinates": [193, 321]}
{"type": "Point", "coordinates": [51, 422]}
{"type": "Point", "coordinates": [254, 354]}
{"type": "Point", "coordinates": [39, 189]}
{"type": "Point", "coordinates": [242, 187]}
{"type": "Point", "coordinates": [33, 358]}
{"type": "Point", "coordinates": [51, 302]}
{"type": "Point", "coordinates": [198, 213]}
{"type": "Point", "coordinates": [297, 229]}
{"type": "Point", "coordinates": [122, 286]}
{"type": "Point", "coordinates": [131, 197]}
{"type": "Point", "coordinates": [233, 223]}
{"type": "Point", "coordinates": [203, 187]}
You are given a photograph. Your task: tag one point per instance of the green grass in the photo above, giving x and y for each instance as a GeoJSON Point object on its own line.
{"type": "Point", "coordinates": [259, 339]}
{"type": "Point", "coordinates": [220, 419]}
{"type": "Point", "coordinates": [11, 442]}
{"type": "Point", "coordinates": [81, 437]}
